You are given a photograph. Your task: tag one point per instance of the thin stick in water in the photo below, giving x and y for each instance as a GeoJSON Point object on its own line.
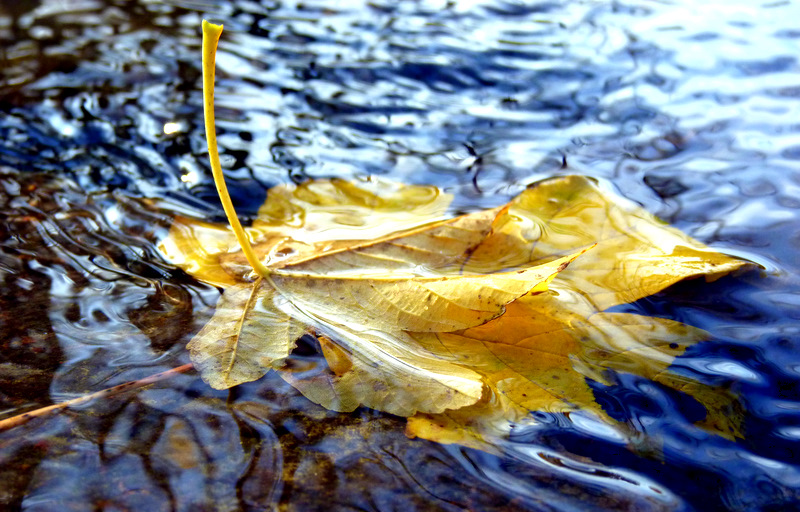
{"type": "Point", "coordinates": [21, 419]}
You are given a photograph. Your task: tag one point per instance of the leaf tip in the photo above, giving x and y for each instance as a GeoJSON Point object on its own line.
{"type": "Point", "coordinates": [573, 257]}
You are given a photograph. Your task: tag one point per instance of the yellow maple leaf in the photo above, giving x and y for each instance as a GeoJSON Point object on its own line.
{"type": "Point", "coordinates": [449, 322]}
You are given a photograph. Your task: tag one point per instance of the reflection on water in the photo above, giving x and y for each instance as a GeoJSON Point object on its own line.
{"type": "Point", "coordinates": [690, 110]}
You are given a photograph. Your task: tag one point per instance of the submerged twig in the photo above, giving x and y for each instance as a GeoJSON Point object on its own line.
{"type": "Point", "coordinates": [21, 419]}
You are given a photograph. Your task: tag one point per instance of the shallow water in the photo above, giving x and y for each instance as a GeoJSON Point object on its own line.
{"type": "Point", "coordinates": [690, 110]}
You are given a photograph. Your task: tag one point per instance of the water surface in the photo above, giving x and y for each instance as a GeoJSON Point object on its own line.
{"type": "Point", "coordinates": [690, 110]}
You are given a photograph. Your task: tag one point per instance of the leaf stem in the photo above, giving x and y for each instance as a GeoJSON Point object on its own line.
{"type": "Point", "coordinates": [211, 35]}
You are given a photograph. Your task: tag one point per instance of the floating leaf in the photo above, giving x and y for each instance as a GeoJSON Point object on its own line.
{"type": "Point", "coordinates": [454, 323]}
{"type": "Point", "coordinates": [477, 358]}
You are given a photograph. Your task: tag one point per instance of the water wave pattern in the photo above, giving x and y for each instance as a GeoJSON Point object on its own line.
{"type": "Point", "coordinates": [690, 110]}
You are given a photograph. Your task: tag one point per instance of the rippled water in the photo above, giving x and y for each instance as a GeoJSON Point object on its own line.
{"type": "Point", "coordinates": [690, 109]}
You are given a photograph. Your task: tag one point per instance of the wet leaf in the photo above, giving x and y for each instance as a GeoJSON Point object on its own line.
{"type": "Point", "coordinates": [447, 322]}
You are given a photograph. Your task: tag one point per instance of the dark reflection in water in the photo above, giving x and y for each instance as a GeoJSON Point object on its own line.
{"type": "Point", "coordinates": [689, 109]}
